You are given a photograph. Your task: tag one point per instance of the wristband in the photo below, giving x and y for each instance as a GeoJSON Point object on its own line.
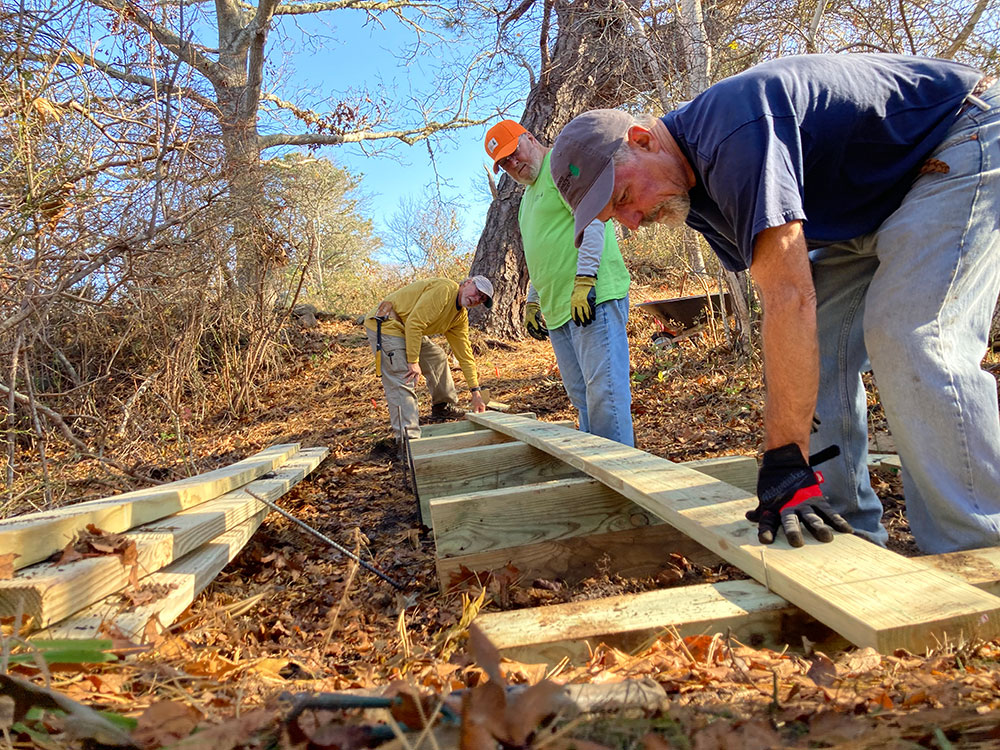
{"type": "Point", "coordinates": [473, 390]}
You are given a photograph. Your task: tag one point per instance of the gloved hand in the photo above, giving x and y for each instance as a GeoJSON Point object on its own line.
{"type": "Point", "coordinates": [582, 300]}
{"type": "Point", "coordinates": [788, 491]}
{"type": "Point", "coordinates": [534, 322]}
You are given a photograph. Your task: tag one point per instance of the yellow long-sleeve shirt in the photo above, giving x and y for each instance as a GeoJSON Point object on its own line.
{"type": "Point", "coordinates": [427, 308]}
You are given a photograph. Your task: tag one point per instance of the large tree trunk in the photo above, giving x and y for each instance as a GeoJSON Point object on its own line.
{"type": "Point", "coordinates": [584, 69]}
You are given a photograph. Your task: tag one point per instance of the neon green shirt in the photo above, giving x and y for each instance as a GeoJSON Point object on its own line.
{"type": "Point", "coordinates": [546, 223]}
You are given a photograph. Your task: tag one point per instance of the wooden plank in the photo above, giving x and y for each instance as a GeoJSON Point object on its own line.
{"type": "Point", "coordinates": [440, 443]}
{"type": "Point", "coordinates": [49, 593]}
{"type": "Point", "coordinates": [510, 517]}
{"type": "Point", "coordinates": [633, 553]}
{"type": "Point", "coordinates": [739, 471]}
{"type": "Point", "coordinates": [424, 446]}
{"type": "Point", "coordinates": [870, 596]}
{"type": "Point", "coordinates": [745, 608]}
{"type": "Point", "coordinates": [458, 426]}
{"type": "Point", "coordinates": [755, 616]}
{"type": "Point", "coordinates": [483, 468]}
{"type": "Point", "coordinates": [35, 536]}
{"type": "Point", "coordinates": [536, 529]}
{"type": "Point", "coordinates": [182, 581]}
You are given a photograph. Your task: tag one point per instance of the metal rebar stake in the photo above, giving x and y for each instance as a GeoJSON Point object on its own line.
{"type": "Point", "coordinates": [328, 540]}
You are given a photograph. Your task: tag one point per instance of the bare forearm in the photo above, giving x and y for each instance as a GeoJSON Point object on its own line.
{"type": "Point", "coordinates": [791, 350]}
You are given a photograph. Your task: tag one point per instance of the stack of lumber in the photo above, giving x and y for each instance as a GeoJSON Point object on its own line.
{"type": "Point", "coordinates": [556, 503]}
{"type": "Point", "coordinates": [179, 535]}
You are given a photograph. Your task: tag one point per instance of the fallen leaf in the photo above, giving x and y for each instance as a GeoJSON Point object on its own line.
{"type": "Point", "coordinates": [861, 661]}
{"type": "Point", "coordinates": [164, 723]}
{"type": "Point", "coordinates": [228, 734]}
{"type": "Point", "coordinates": [823, 671]}
{"type": "Point", "coordinates": [7, 565]}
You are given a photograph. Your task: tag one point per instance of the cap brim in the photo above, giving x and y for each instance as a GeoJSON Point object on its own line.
{"type": "Point", "coordinates": [594, 201]}
{"type": "Point", "coordinates": [503, 153]}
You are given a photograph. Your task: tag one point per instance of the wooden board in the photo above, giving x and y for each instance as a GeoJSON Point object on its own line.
{"type": "Point", "coordinates": [755, 616]}
{"type": "Point", "coordinates": [181, 581]}
{"type": "Point", "coordinates": [870, 596]}
{"type": "Point", "coordinates": [440, 443]}
{"type": "Point", "coordinates": [424, 446]}
{"type": "Point", "coordinates": [457, 427]}
{"type": "Point", "coordinates": [510, 517]}
{"type": "Point", "coordinates": [744, 608]}
{"type": "Point", "coordinates": [35, 536]}
{"type": "Point", "coordinates": [49, 593]}
{"type": "Point", "coordinates": [483, 468]}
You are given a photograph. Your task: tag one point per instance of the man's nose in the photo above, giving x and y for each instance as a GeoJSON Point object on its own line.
{"type": "Point", "coordinates": [629, 219]}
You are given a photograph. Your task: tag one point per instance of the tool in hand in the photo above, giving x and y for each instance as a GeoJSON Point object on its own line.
{"type": "Point", "coordinates": [382, 314]}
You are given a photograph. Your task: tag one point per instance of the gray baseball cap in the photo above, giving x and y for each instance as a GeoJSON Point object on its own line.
{"type": "Point", "coordinates": [485, 286]}
{"type": "Point", "coordinates": [582, 165]}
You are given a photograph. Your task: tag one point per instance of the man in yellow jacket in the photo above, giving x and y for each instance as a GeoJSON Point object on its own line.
{"type": "Point", "coordinates": [419, 310]}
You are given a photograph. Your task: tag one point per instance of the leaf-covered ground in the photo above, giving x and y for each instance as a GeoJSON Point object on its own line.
{"type": "Point", "coordinates": [291, 616]}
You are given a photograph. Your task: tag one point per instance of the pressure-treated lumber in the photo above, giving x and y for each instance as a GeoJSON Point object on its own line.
{"type": "Point", "coordinates": [181, 582]}
{"type": "Point", "coordinates": [424, 446]}
{"type": "Point", "coordinates": [483, 468]}
{"type": "Point", "coordinates": [745, 608]}
{"type": "Point", "coordinates": [35, 536]}
{"type": "Point", "coordinates": [514, 516]}
{"type": "Point", "coordinates": [531, 527]}
{"type": "Point", "coordinates": [870, 596]}
{"type": "Point", "coordinates": [49, 593]}
{"type": "Point", "coordinates": [459, 426]}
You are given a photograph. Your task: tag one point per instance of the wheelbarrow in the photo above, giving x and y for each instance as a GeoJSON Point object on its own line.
{"type": "Point", "coordinates": [681, 317]}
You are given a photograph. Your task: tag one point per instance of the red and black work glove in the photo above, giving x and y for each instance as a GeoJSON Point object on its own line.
{"type": "Point", "coordinates": [788, 492]}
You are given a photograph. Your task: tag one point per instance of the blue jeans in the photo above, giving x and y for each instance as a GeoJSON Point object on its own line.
{"type": "Point", "coordinates": [913, 302]}
{"type": "Point", "coordinates": [594, 365]}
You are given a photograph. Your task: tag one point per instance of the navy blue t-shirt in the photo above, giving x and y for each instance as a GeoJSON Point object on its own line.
{"type": "Point", "coordinates": [832, 140]}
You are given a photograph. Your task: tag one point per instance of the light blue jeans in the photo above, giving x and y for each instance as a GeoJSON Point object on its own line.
{"type": "Point", "coordinates": [594, 365]}
{"type": "Point", "coordinates": [913, 302]}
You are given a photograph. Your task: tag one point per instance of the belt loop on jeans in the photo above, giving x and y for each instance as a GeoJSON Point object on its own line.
{"type": "Point", "coordinates": [972, 98]}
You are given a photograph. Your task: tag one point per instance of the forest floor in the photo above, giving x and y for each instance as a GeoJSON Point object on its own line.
{"type": "Point", "coordinates": [290, 616]}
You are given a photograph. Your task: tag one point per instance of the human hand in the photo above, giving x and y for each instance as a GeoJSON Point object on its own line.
{"type": "Point", "coordinates": [788, 493]}
{"type": "Point", "coordinates": [478, 403]}
{"type": "Point", "coordinates": [582, 300]}
{"type": "Point", "coordinates": [412, 373]}
{"type": "Point", "coordinates": [534, 322]}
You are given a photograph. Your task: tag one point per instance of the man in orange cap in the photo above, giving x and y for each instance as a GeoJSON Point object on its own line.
{"type": "Point", "coordinates": [588, 288]}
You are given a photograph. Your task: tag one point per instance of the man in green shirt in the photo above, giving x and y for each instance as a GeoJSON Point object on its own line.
{"type": "Point", "coordinates": [577, 299]}
{"type": "Point", "coordinates": [419, 310]}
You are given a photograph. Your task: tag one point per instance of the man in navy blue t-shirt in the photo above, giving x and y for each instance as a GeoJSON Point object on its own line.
{"type": "Point", "coordinates": [863, 193]}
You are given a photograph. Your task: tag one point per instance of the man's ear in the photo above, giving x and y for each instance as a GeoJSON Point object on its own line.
{"type": "Point", "coordinates": [641, 138]}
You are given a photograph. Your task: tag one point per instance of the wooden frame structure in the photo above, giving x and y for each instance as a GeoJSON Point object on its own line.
{"type": "Point", "coordinates": [868, 595]}
{"type": "Point", "coordinates": [181, 551]}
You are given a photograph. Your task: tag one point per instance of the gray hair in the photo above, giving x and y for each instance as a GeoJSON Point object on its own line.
{"type": "Point", "coordinates": [624, 154]}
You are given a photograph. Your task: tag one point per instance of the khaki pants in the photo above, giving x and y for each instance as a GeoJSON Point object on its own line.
{"type": "Point", "coordinates": [401, 398]}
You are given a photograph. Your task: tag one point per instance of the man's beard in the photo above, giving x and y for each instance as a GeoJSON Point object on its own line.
{"type": "Point", "coordinates": [672, 212]}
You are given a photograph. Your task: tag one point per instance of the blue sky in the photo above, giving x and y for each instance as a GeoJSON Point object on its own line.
{"type": "Point", "coordinates": [354, 56]}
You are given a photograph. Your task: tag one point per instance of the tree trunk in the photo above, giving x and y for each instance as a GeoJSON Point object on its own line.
{"type": "Point", "coordinates": [584, 69]}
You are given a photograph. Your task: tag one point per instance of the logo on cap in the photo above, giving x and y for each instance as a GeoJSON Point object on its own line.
{"type": "Point", "coordinates": [574, 170]}
{"type": "Point", "coordinates": [492, 145]}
